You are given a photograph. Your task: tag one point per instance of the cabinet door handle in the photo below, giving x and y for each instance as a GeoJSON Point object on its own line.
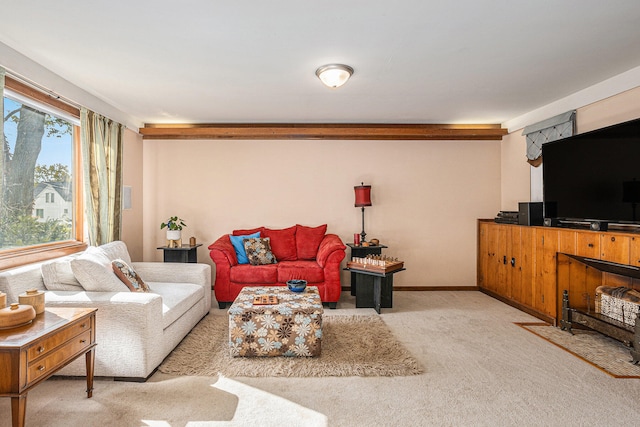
{"type": "Point", "coordinates": [83, 341]}
{"type": "Point", "coordinates": [613, 239]}
{"type": "Point", "coordinates": [513, 262]}
{"type": "Point", "coordinates": [504, 259]}
{"type": "Point", "coordinates": [590, 245]}
{"type": "Point", "coordinates": [83, 325]}
{"type": "Point", "coordinates": [40, 349]}
{"type": "Point", "coordinates": [41, 368]}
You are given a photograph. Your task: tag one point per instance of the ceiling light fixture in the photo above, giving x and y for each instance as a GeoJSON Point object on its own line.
{"type": "Point", "coordinates": [334, 75]}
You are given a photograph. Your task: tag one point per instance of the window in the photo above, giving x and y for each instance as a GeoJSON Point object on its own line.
{"type": "Point", "coordinates": [40, 174]}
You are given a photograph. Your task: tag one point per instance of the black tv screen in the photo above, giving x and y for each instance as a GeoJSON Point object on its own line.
{"type": "Point", "coordinates": [594, 175]}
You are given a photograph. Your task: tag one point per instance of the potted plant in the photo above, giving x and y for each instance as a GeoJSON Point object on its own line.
{"type": "Point", "coordinates": [174, 228]}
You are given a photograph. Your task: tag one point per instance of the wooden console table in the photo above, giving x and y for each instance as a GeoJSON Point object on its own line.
{"type": "Point", "coordinates": [30, 354]}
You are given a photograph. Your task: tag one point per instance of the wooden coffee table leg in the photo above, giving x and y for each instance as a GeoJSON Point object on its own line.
{"type": "Point", "coordinates": [18, 410]}
{"type": "Point", "coordinates": [90, 357]}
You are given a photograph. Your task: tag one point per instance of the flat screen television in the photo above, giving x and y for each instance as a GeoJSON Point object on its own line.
{"type": "Point", "coordinates": [594, 176]}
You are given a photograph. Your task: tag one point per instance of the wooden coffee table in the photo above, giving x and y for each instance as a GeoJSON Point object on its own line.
{"type": "Point", "coordinates": [30, 354]}
{"type": "Point", "coordinates": [289, 326]}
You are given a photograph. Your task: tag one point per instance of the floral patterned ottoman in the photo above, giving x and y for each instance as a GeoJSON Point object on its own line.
{"type": "Point", "coordinates": [290, 327]}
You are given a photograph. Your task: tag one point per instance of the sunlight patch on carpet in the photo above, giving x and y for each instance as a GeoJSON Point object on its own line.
{"type": "Point", "coordinates": [260, 408]}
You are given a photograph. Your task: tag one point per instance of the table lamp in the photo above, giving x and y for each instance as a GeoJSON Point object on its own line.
{"type": "Point", "coordinates": [363, 198]}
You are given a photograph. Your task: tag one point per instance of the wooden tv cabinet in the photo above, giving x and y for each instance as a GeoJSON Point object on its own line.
{"type": "Point", "coordinates": [519, 264]}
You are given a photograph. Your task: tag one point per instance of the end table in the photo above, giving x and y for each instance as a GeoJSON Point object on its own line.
{"type": "Point", "coordinates": [32, 353]}
{"type": "Point", "coordinates": [362, 252]}
{"type": "Point", "coordinates": [185, 253]}
{"type": "Point", "coordinates": [377, 291]}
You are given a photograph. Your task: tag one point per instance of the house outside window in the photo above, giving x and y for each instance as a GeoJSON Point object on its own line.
{"type": "Point", "coordinates": [40, 213]}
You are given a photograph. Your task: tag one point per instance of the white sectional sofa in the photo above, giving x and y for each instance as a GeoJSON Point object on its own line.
{"type": "Point", "coordinates": [135, 331]}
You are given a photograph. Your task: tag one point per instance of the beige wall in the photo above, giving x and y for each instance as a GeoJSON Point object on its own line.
{"type": "Point", "coordinates": [516, 180]}
{"type": "Point", "coordinates": [514, 172]}
{"type": "Point", "coordinates": [426, 195]}
{"type": "Point", "coordinates": [609, 111]}
{"type": "Point", "coordinates": [132, 176]}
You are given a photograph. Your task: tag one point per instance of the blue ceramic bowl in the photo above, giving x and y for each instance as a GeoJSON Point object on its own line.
{"type": "Point", "coordinates": [297, 285]}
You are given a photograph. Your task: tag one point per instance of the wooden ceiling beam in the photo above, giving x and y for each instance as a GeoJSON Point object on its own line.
{"type": "Point", "coordinates": [325, 131]}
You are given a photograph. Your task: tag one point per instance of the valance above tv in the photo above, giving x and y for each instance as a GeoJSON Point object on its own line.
{"type": "Point", "coordinates": [552, 129]}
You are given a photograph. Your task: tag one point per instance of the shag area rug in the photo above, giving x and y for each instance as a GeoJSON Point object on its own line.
{"type": "Point", "coordinates": [351, 346]}
{"type": "Point", "coordinates": [604, 353]}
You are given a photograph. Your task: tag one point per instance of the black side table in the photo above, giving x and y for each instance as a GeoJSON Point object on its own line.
{"type": "Point", "coordinates": [362, 252]}
{"type": "Point", "coordinates": [185, 253]}
{"type": "Point", "coordinates": [377, 292]}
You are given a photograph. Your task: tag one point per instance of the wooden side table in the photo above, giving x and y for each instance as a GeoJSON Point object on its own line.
{"type": "Point", "coordinates": [30, 354]}
{"type": "Point", "coordinates": [362, 252]}
{"type": "Point", "coordinates": [185, 253]}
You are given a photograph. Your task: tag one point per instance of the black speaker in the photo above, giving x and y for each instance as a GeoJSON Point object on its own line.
{"type": "Point", "coordinates": [530, 213]}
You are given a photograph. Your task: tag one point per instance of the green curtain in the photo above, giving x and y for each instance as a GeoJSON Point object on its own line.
{"type": "Point", "coordinates": [102, 164]}
{"type": "Point", "coordinates": [2, 73]}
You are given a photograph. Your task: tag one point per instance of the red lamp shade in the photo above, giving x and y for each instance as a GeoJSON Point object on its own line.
{"type": "Point", "coordinates": [363, 195]}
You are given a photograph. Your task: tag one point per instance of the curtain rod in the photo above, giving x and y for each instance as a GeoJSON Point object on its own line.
{"type": "Point", "coordinates": [42, 89]}
{"type": "Point", "coordinates": [54, 96]}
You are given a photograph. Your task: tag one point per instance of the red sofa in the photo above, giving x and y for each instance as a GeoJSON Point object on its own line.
{"type": "Point", "coordinates": [301, 252]}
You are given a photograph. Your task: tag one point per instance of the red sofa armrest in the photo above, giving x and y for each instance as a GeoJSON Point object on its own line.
{"type": "Point", "coordinates": [222, 249]}
{"type": "Point", "coordinates": [330, 244]}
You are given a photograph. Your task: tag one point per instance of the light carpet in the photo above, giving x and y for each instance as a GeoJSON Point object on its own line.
{"type": "Point", "coordinates": [163, 401]}
{"type": "Point", "coordinates": [603, 352]}
{"type": "Point", "coordinates": [481, 370]}
{"type": "Point", "coordinates": [351, 346]}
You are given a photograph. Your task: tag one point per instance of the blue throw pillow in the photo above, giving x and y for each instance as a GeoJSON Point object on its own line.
{"type": "Point", "coordinates": [238, 245]}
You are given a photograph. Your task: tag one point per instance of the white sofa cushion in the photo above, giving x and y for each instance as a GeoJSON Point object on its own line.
{"type": "Point", "coordinates": [116, 250]}
{"type": "Point", "coordinates": [94, 272]}
{"type": "Point", "coordinates": [58, 276]}
{"type": "Point", "coordinates": [177, 299]}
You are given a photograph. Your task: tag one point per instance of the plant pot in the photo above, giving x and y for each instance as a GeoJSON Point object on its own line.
{"type": "Point", "coordinates": [174, 235]}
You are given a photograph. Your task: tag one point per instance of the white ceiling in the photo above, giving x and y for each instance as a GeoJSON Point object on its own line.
{"type": "Point", "coordinates": [415, 61]}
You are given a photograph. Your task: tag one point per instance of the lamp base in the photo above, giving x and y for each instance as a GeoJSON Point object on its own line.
{"type": "Point", "coordinates": [363, 234]}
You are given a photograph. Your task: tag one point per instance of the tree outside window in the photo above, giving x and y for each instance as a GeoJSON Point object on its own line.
{"type": "Point", "coordinates": [37, 163]}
